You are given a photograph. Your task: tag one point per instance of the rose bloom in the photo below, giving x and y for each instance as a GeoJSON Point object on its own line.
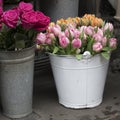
{"type": "Point", "coordinates": [97, 47]}
{"type": "Point", "coordinates": [24, 7]}
{"type": "Point", "coordinates": [41, 38]}
{"type": "Point", "coordinates": [63, 40]}
{"type": "Point", "coordinates": [35, 19]}
{"type": "Point", "coordinates": [113, 42]}
{"type": "Point", "coordinates": [10, 18]}
{"type": "Point", "coordinates": [76, 43]}
{"type": "Point", "coordinates": [29, 19]}
{"type": "Point", "coordinates": [43, 21]}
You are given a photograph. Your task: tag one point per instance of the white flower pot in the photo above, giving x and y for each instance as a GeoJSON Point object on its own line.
{"type": "Point", "coordinates": [80, 84]}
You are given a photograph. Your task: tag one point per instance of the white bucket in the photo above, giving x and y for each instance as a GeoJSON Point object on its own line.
{"type": "Point", "coordinates": [79, 83]}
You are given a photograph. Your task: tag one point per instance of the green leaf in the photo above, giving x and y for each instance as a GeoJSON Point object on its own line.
{"type": "Point", "coordinates": [106, 49]}
{"type": "Point", "coordinates": [90, 44]}
{"type": "Point", "coordinates": [106, 55]}
{"type": "Point", "coordinates": [19, 44]}
{"type": "Point", "coordinates": [79, 56]}
{"type": "Point", "coordinates": [19, 36]}
{"type": "Point", "coordinates": [55, 50]}
{"type": "Point", "coordinates": [30, 34]}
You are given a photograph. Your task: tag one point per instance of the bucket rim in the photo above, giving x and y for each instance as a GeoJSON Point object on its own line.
{"type": "Point", "coordinates": [71, 56]}
{"type": "Point", "coordinates": [18, 51]}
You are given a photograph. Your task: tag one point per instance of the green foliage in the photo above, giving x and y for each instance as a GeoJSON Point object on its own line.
{"type": "Point", "coordinates": [16, 38]}
{"type": "Point", "coordinates": [78, 56]}
{"type": "Point", "coordinates": [106, 55]}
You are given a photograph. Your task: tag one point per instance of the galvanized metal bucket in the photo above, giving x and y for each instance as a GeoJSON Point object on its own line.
{"type": "Point", "coordinates": [16, 82]}
{"type": "Point", "coordinates": [57, 9]}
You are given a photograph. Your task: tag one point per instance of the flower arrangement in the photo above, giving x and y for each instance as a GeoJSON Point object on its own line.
{"type": "Point", "coordinates": [80, 37]}
{"type": "Point", "coordinates": [19, 26]}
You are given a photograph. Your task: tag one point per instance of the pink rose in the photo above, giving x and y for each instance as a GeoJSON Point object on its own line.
{"type": "Point", "coordinates": [10, 18]}
{"type": "Point", "coordinates": [43, 21]}
{"type": "Point", "coordinates": [97, 47]}
{"type": "Point", "coordinates": [63, 40]}
{"type": "Point", "coordinates": [24, 7]}
{"type": "Point", "coordinates": [113, 43]}
{"type": "Point", "coordinates": [41, 38]}
{"type": "Point", "coordinates": [76, 43]}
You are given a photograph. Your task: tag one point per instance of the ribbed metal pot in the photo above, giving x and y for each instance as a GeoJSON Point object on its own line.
{"type": "Point", "coordinates": [16, 82]}
{"type": "Point", "coordinates": [57, 9]}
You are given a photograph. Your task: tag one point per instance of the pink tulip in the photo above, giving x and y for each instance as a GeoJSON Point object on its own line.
{"type": "Point", "coordinates": [76, 43]}
{"type": "Point", "coordinates": [113, 42]}
{"type": "Point", "coordinates": [63, 40]}
{"type": "Point", "coordinates": [77, 33]}
{"type": "Point", "coordinates": [89, 30]}
{"type": "Point", "coordinates": [49, 38]}
{"type": "Point", "coordinates": [97, 47]}
{"type": "Point", "coordinates": [108, 26]}
{"type": "Point", "coordinates": [97, 37]}
{"type": "Point", "coordinates": [82, 28]}
{"type": "Point", "coordinates": [100, 32]}
{"type": "Point", "coordinates": [41, 38]}
{"type": "Point", "coordinates": [104, 41]}
{"type": "Point", "coordinates": [71, 30]}
{"type": "Point", "coordinates": [56, 30]}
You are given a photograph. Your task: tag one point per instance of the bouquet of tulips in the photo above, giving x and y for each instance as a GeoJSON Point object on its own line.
{"type": "Point", "coordinates": [80, 37]}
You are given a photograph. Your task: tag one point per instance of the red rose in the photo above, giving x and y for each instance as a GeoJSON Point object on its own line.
{"type": "Point", "coordinates": [10, 18]}
{"type": "Point", "coordinates": [29, 19]}
{"type": "Point", "coordinates": [43, 21]}
{"type": "Point", "coordinates": [35, 20]}
{"type": "Point", "coordinates": [24, 7]}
